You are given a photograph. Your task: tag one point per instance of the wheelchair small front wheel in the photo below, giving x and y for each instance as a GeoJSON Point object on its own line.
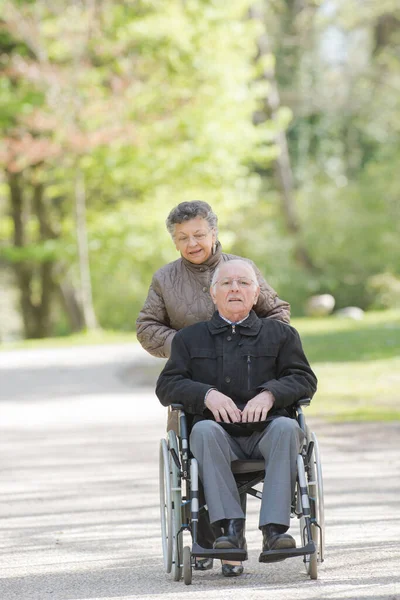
{"type": "Point", "coordinates": [187, 565]}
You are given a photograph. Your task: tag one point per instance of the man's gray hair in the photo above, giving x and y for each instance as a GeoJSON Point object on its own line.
{"type": "Point", "coordinates": [241, 260]}
{"type": "Point", "coordinates": [185, 211]}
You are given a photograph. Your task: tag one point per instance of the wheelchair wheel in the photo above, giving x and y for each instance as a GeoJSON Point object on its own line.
{"type": "Point", "coordinates": [176, 499]}
{"type": "Point", "coordinates": [165, 505]}
{"type": "Point", "coordinates": [315, 493]}
{"type": "Point", "coordinates": [187, 565]}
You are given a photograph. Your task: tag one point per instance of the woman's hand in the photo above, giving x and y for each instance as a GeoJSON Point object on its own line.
{"type": "Point", "coordinates": [258, 407]}
{"type": "Point", "coordinates": [222, 407]}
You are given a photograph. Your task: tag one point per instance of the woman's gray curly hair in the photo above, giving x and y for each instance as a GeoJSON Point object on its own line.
{"type": "Point", "coordinates": [185, 211]}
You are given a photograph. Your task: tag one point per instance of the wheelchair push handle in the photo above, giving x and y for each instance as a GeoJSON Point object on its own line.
{"type": "Point", "coordinates": [302, 402]}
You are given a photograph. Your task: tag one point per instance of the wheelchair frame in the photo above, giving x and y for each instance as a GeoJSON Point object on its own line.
{"type": "Point", "coordinates": [180, 506]}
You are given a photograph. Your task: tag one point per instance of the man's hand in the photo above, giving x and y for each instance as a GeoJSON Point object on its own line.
{"type": "Point", "coordinates": [258, 407]}
{"type": "Point", "coordinates": [222, 407]}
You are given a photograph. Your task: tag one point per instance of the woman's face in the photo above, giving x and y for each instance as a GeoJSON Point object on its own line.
{"type": "Point", "coordinates": [194, 239]}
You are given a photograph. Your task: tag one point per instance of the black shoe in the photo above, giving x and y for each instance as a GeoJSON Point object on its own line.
{"type": "Point", "coordinates": [275, 538]}
{"type": "Point", "coordinates": [232, 570]}
{"type": "Point", "coordinates": [203, 564]}
{"type": "Point", "coordinates": [233, 535]}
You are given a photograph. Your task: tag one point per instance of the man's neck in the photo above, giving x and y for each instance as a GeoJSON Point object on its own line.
{"type": "Point", "coordinates": [233, 320]}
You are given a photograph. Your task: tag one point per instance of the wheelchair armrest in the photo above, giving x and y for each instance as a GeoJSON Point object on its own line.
{"type": "Point", "coordinates": [176, 406]}
{"type": "Point", "coordinates": [302, 402]}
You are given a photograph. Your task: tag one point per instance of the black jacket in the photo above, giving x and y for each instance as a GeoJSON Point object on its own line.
{"type": "Point", "coordinates": [239, 361]}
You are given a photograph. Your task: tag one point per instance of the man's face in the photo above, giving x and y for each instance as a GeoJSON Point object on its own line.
{"type": "Point", "coordinates": [236, 290]}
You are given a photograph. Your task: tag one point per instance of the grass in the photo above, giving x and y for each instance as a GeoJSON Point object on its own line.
{"type": "Point", "coordinates": [357, 363]}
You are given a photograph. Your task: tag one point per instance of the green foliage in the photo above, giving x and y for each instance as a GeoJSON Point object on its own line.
{"type": "Point", "coordinates": [35, 253]}
{"type": "Point", "coordinates": [154, 101]}
{"type": "Point", "coordinates": [386, 290]}
{"type": "Point", "coordinates": [343, 142]}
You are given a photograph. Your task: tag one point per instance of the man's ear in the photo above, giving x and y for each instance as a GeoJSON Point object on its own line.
{"type": "Point", "coordinates": [256, 297]}
{"type": "Point", "coordinates": [212, 294]}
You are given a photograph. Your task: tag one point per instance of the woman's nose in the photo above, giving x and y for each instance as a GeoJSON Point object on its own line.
{"type": "Point", "coordinates": [192, 241]}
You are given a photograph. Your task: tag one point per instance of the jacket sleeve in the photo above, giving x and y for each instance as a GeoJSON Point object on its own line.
{"type": "Point", "coordinates": [152, 325]}
{"type": "Point", "coordinates": [175, 383]}
{"type": "Point", "coordinates": [294, 376]}
{"type": "Point", "coordinates": [268, 304]}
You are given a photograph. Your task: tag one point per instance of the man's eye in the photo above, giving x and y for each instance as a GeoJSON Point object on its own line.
{"type": "Point", "coordinates": [243, 283]}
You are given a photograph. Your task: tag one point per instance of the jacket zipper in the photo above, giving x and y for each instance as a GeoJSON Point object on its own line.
{"type": "Point", "coordinates": [248, 371]}
{"type": "Point", "coordinates": [233, 328]}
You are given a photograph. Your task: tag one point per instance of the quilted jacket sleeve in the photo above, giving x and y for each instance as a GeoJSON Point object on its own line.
{"type": "Point", "coordinates": [268, 304]}
{"type": "Point", "coordinates": [152, 325]}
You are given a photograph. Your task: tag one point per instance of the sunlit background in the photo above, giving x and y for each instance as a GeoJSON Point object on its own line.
{"type": "Point", "coordinates": [283, 115]}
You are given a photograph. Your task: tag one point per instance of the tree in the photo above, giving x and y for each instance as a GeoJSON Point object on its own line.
{"type": "Point", "coordinates": [148, 103]}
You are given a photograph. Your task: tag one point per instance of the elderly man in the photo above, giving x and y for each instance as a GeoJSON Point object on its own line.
{"type": "Point", "coordinates": [238, 375]}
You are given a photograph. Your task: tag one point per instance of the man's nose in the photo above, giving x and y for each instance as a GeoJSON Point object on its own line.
{"type": "Point", "coordinates": [234, 285]}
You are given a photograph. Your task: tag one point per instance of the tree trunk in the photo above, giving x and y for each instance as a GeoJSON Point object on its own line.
{"type": "Point", "coordinates": [282, 165]}
{"type": "Point", "coordinates": [45, 275]}
{"type": "Point", "coordinates": [83, 253]}
{"type": "Point", "coordinates": [23, 273]}
{"type": "Point", "coordinates": [71, 305]}
{"type": "Point", "coordinates": [35, 281]}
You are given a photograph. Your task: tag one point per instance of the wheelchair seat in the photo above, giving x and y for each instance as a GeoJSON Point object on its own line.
{"type": "Point", "coordinates": [240, 467]}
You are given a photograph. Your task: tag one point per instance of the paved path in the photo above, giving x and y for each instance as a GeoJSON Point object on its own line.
{"type": "Point", "coordinates": [79, 492]}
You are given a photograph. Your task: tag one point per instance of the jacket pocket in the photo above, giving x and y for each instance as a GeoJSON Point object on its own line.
{"type": "Point", "coordinates": [204, 365]}
{"type": "Point", "coordinates": [260, 364]}
{"type": "Point", "coordinates": [271, 350]}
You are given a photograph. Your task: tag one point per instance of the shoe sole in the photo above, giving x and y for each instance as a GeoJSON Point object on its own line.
{"type": "Point", "coordinates": [232, 573]}
{"type": "Point", "coordinates": [205, 565]}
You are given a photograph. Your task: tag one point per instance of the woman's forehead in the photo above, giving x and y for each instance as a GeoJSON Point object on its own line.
{"type": "Point", "coordinates": [191, 226]}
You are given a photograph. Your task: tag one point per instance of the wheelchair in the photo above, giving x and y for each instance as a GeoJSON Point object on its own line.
{"type": "Point", "coordinates": [180, 505]}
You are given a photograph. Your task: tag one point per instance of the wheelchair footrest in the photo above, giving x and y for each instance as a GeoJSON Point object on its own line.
{"type": "Point", "coordinates": [277, 555]}
{"type": "Point", "coordinates": [223, 554]}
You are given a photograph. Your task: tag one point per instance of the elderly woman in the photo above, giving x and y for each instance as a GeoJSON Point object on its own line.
{"type": "Point", "coordinates": [179, 296]}
{"type": "Point", "coordinates": [179, 293]}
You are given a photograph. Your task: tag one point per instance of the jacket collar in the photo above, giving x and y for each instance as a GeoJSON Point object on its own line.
{"type": "Point", "coordinates": [251, 326]}
{"type": "Point", "coordinates": [210, 263]}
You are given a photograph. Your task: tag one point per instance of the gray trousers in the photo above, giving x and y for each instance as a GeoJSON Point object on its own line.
{"type": "Point", "coordinates": [278, 445]}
